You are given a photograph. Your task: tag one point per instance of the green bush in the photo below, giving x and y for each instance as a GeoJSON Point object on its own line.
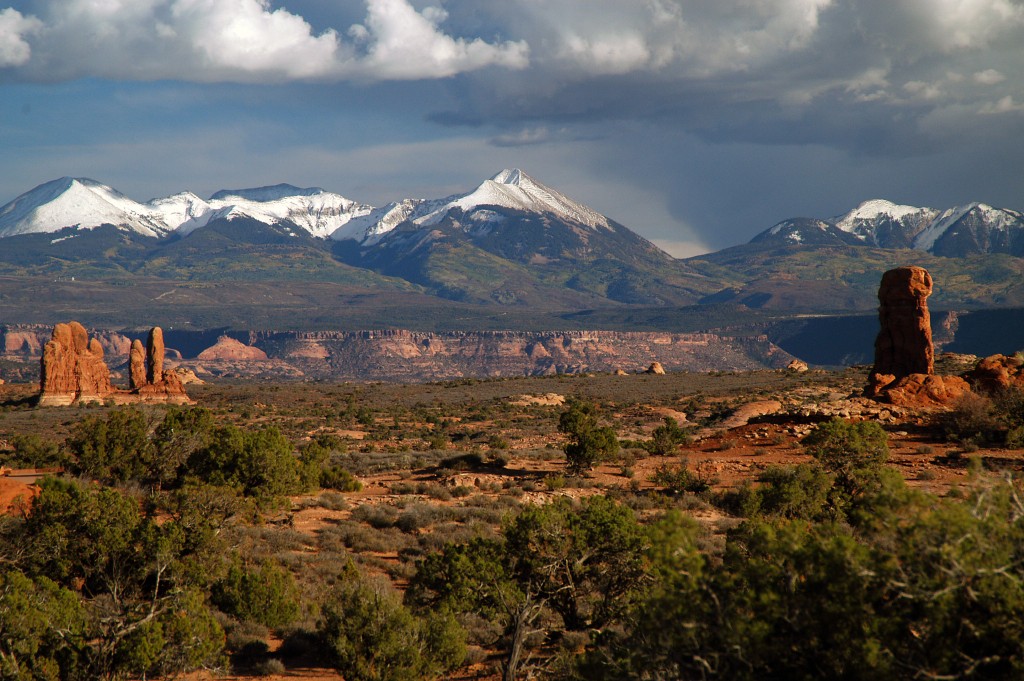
{"type": "Point", "coordinates": [373, 637]}
{"type": "Point", "coordinates": [842, 446]}
{"type": "Point", "coordinates": [259, 464]}
{"type": "Point", "coordinates": [680, 479]}
{"type": "Point", "coordinates": [667, 437]}
{"type": "Point", "coordinates": [588, 443]}
{"type": "Point", "coordinates": [114, 449]}
{"type": "Point", "coordinates": [265, 594]}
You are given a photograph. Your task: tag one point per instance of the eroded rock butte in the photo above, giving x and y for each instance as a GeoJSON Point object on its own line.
{"type": "Point", "coordinates": [73, 371]}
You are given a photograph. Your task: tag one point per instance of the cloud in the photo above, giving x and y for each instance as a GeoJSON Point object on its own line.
{"type": "Point", "coordinates": [244, 36]}
{"type": "Point", "coordinates": [989, 77]}
{"type": "Point", "coordinates": [237, 41]}
{"type": "Point", "coordinates": [404, 44]}
{"type": "Point", "coordinates": [14, 27]}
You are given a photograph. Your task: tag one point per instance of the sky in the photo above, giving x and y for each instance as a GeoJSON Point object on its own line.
{"type": "Point", "coordinates": [696, 123]}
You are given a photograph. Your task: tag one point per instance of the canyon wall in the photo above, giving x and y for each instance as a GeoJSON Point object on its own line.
{"type": "Point", "coordinates": [398, 355]}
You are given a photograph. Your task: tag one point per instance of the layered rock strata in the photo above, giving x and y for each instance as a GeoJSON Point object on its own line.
{"type": "Point", "coordinates": [73, 371]}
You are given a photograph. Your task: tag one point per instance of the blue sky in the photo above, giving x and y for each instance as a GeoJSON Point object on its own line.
{"type": "Point", "coordinates": [695, 123]}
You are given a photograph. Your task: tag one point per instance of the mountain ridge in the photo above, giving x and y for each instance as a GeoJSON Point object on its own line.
{"type": "Point", "coordinates": [969, 229]}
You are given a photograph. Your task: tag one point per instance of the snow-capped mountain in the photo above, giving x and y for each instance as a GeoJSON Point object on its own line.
{"type": "Point", "coordinates": [972, 229]}
{"type": "Point", "coordinates": [885, 224]}
{"type": "Point", "coordinates": [806, 231]}
{"type": "Point", "coordinates": [77, 202]}
{"type": "Point", "coordinates": [509, 190]}
{"type": "Point", "coordinates": [85, 204]}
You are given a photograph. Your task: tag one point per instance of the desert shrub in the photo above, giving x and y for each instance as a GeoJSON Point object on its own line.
{"type": "Point", "coordinates": [181, 433]}
{"type": "Point", "coordinates": [589, 442]}
{"type": "Point", "coordinates": [376, 515]}
{"type": "Point", "coordinates": [338, 478]}
{"type": "Point", "coordinates": [332, 501]}
{"type": "Point", "coordinates": [1015, 438]}
{"type": "Point", "coordinates": [842, 446]}
{"type": "Point", "coordinates": [936, 594]}
{"type": "Point", "coordinates": [801, 491]}
{"type": "Point", "coordinates": [112, 449]}
{"type": "Point", "coordinates": [679, 479]}
{"type": "Point", "coordinates": [373, 637]}
{"type": "Point", "coordinates": [265, 593]}
{"type": "Point", "coordinates": [270, 666]}
{"type": "Point", "coordinates": [667, 437]}
{"type": "Point", "coordinates": [1009, 406]}
{"type": "Point", "coordinates": [973, 418]}
{"type": "Point", "coordinates": [260, 463]}
{"type": "Point", "coordinates": [32, 451]}
{"type": "Point", "coordinates": [463, 462]}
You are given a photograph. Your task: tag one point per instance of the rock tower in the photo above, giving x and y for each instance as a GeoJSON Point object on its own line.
{"type": "Point", "coordinates": [904, 371]}
{"type": "Point", "coordinates": [73, 371]}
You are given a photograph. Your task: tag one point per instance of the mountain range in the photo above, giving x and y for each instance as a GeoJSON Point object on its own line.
{"type": "Point", "coordinates": [972, 229]}
{"type": "Point", "coordinates": [512, 242]}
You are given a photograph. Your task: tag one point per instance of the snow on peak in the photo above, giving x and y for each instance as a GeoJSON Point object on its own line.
{"type": "Point", "coordinates": [76, 202]}
{"type": "Point", "coordinates": [510, 176]}
{"type": "Point", "coordinates": [516, 190]}
{"type": "Point", "coordinates": [318, 212]}
{"type": "Point", "coordinates": [369, 228]}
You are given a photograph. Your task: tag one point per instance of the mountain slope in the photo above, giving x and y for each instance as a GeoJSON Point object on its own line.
{"type": "Point", "coordinates": [511, 239]}
{"type": "Point", "coordinates": [76, 202]}
{"type": "Point", "coordinates": [962, 231]}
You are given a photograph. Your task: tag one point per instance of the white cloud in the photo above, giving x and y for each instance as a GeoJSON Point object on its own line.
{"type": "Point", "coordinates": [245, 36]}
{"type": "Point", "coordinates": [1003, 106]}
{"type": "Point", "coordinates": [989, 77]}
{"type": "Point", "coordinates": [404, 44]}
{"type": "Point", "coordinates": [14, 27]}
{"type": "Point", "coordinates": [238, 40]}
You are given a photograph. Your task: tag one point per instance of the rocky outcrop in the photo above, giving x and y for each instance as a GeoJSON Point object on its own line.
{"type": "Point", "coordinates": [228, 348]}
{"type": "Point", "coordinates": [155, 356]}
{"type": "Point", "coordinates": [136, 365]}
{"type": "Point", "coordinates": [797, 366]}
{"type": "Point", "coordinates": [904, 343]}
{"type": "Point", "coordinates": [401, 355]}
{"type": "Point", "coordinates": [904, 368]}
{"type": "Point", "coordinates": [997, 372]}
{"type": "Point", "coordinates": [73, 371]}
{"type": "Point", "coordinates": [926, 390]}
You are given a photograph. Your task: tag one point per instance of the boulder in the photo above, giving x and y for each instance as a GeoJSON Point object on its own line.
{"type": "Point", "coordinates": [797, 366]}
{"type": "Point", "coordinates": [997, 372]}
{"type": "Point", "coordinates": [925, 390]}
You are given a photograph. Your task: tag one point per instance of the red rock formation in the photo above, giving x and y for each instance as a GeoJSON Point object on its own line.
{"type": "Point", "coordinates": [997, 372]}
{"type": "Point", "coordinates": [155, 355]}
{"type": "Point", "coordinates": [925, 390]}
{"type": "Point", "coordinates": [229, 348]}
{"type": "Point", "coordinates": [137, 365]}
{"type": "Point", "coordinates": [73, 371]}
{"type": "Point", "coordinates": [904, 343]}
